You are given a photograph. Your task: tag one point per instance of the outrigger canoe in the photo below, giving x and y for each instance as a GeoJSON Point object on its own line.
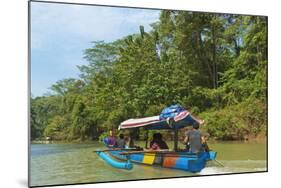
{"type": "Point", "coordinates": [168, 159]}
{"type": "Point", "coordinates": [183, 160]}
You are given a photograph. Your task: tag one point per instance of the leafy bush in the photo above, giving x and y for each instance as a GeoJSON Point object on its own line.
{"type": "Point", "coordinates": [247, 119]}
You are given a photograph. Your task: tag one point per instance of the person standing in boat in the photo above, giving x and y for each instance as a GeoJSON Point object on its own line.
{"type": "Point", "coordinates": [193, 139]}
{"type": "Point", "coordinates": [157, 143]}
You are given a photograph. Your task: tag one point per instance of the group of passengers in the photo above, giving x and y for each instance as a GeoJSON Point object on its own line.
{"type": "Point", "coordinates": [121, 142]}
{"type": "Point", "coordinates": [194, 141]}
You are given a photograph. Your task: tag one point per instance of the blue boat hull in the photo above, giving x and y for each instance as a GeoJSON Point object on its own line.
{"type": "Point", "coordinates": [175, 160]}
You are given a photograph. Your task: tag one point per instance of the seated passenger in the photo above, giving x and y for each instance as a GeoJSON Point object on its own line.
{"type": "Point", "coordinates": [111, 140]}
{"type": "Point", "coordinates": [205, 146]}
{"type": "Point", "coordinates": [157, 143]}
{"type": "Point", "coordinates": [120, 141]}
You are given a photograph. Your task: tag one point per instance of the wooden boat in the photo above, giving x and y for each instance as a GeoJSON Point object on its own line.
{"type": "Point", "coordinates": [176, 159]}
{"type": "Point", "coordinates": [168, 159]}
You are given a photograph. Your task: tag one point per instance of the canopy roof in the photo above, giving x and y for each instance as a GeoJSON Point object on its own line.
{"type": "Point", "coordinates": [182, 119]}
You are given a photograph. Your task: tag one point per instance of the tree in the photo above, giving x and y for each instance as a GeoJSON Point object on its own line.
{"type": "Point", "coordinates": [213, 64]}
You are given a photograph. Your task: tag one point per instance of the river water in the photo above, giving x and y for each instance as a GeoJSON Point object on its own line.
{"type": "Point", "coordinates": [52, 164]}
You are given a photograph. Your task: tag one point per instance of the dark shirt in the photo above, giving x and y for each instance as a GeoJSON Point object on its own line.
{"type": "Point", "coordinates": [194, 140]}
{"type": "Point", "coordinates": [120, 143]}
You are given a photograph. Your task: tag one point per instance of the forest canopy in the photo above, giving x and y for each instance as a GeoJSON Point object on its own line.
{"type": "Point", "coordinates": [214, 65]}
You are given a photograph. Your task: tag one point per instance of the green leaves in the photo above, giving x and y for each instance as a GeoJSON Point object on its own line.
{"type": "Point", "coordinates": [212, 64]}
{"type": "Point", "coordinates": [244, 120]}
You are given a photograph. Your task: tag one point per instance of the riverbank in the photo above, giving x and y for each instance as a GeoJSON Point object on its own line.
{"type": "Point", "coordinates": [62, 141]}
{"type": "Point", "coordinates": [257, 140]}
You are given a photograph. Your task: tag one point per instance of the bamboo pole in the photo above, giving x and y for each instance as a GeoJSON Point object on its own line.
{"type": "Point", "coordinates": [146, 138]}
{"type": "Point", "coordinates": [176, 140]}
{"type": "Point", "coordinates": [144, 151]}
{"type": "Point", "coordinates": [114, 149]}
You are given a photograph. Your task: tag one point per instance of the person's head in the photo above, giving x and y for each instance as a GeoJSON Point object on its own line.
{"type": "Point", "coordinates": [195, 126]}
{"type": "Point", "coordinates": [206, 136]}
{"type": "Point", "coordinates": [111, 133]}
{"type": "Point", "coordinates": [126, 138]}
{"type": "Point", "coordinates": [121, 136]}
{"type": "Point", "coordinates": [157, 136]}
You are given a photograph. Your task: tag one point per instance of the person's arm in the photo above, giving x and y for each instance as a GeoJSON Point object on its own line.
{"type": "Point", "coordinates": [185, 141]}
{"type": "Point", "coordinates": [203, 140]}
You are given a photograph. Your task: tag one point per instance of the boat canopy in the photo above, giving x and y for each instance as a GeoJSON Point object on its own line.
{"type": "Point", "coordinates": [180, 119]}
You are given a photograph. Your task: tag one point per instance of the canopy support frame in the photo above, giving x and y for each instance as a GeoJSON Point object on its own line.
{"type": "Point", "coordinates": [146, 138]}
{"type": "Point", "coordinates": [176, 140]}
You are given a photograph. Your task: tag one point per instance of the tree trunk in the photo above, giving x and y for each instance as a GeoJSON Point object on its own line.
{"type": "Point", "coordinates": [215, 71]}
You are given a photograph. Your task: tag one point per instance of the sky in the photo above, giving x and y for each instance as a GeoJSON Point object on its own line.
{"type": "Point", "coordinates": [61, 32]}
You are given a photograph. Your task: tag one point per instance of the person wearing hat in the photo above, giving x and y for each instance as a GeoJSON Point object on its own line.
{"type": "Point", "coordinates": [194, 139]}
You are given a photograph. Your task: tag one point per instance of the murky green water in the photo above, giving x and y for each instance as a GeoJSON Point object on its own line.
{"type": "Point", "coordinates": [77, 163]}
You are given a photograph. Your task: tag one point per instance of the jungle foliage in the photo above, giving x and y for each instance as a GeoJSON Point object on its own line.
{"type": "Point", "coordinates": [215, 65]}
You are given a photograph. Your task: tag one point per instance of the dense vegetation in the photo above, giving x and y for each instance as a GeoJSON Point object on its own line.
{"type": "Point", "coordinates": [215, 65]}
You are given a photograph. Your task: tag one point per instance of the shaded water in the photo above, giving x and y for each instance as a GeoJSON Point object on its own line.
{"type": "Point", "coordinates": [77, 163]}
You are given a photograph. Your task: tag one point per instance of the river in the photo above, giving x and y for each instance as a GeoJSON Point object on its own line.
{"type": "Point", "coordinates": [52, 164]}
